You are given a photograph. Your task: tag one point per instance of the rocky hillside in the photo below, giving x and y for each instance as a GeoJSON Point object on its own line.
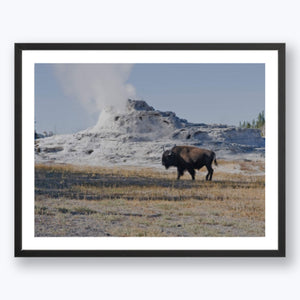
{"type": "Point", "coordinates": [137, 137]}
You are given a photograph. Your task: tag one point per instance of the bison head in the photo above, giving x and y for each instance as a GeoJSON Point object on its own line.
{"type": "Point", "coordinates": [168, 159]}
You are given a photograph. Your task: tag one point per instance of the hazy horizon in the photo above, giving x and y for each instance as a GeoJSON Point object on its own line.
{"type": "Point", "coordinates": [69, 97]}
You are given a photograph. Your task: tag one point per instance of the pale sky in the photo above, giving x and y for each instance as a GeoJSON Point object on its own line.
{"type": "Point", "coordinates": [200, 93]}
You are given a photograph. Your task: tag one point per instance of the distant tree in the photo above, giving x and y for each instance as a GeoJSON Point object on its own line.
{"type": "Point", "coordinates": [259, 122]}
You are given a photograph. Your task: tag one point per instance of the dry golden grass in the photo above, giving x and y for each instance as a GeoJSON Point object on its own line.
{"type": "Point", "coordinates": [128, 201]}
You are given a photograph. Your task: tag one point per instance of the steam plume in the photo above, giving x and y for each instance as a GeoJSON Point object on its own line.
{"type": "Point", "coordinates": [97, 85]}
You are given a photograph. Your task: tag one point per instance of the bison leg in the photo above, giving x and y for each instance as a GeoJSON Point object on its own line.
{"type": "Point", "coordinates": [210, 172]}
{"type": "Point", "coordinates": [192, 172]}
{"type": "Point", "coordinates": [179, 173]}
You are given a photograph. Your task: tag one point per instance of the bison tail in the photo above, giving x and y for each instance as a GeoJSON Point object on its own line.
{"type": "Point", "coordinates": [215, 159]}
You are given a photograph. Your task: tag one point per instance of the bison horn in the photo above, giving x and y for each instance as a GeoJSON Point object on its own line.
{"type": "Point", "coordinates": [163, 148]}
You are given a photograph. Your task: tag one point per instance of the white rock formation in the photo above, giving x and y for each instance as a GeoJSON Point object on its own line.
{"type": "Point", "coordinates": [137, 137]}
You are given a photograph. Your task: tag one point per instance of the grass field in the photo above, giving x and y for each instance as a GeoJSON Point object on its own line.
{"type": "Point", "coordinates": [127, 201]}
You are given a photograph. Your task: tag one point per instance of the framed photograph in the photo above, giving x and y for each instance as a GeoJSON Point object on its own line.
{"type": "Point", "coordinates": [150, 150]}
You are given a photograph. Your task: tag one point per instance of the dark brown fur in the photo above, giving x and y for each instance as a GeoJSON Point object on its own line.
{"type": "Point", "coordinates": [189, 158]}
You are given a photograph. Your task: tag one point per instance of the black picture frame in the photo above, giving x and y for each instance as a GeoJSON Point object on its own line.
{"type": "Point", "coordinates": [20, 48]}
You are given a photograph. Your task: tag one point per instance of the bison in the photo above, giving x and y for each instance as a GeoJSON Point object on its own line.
{"type": "Point", "coordinates": [189, 158]}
